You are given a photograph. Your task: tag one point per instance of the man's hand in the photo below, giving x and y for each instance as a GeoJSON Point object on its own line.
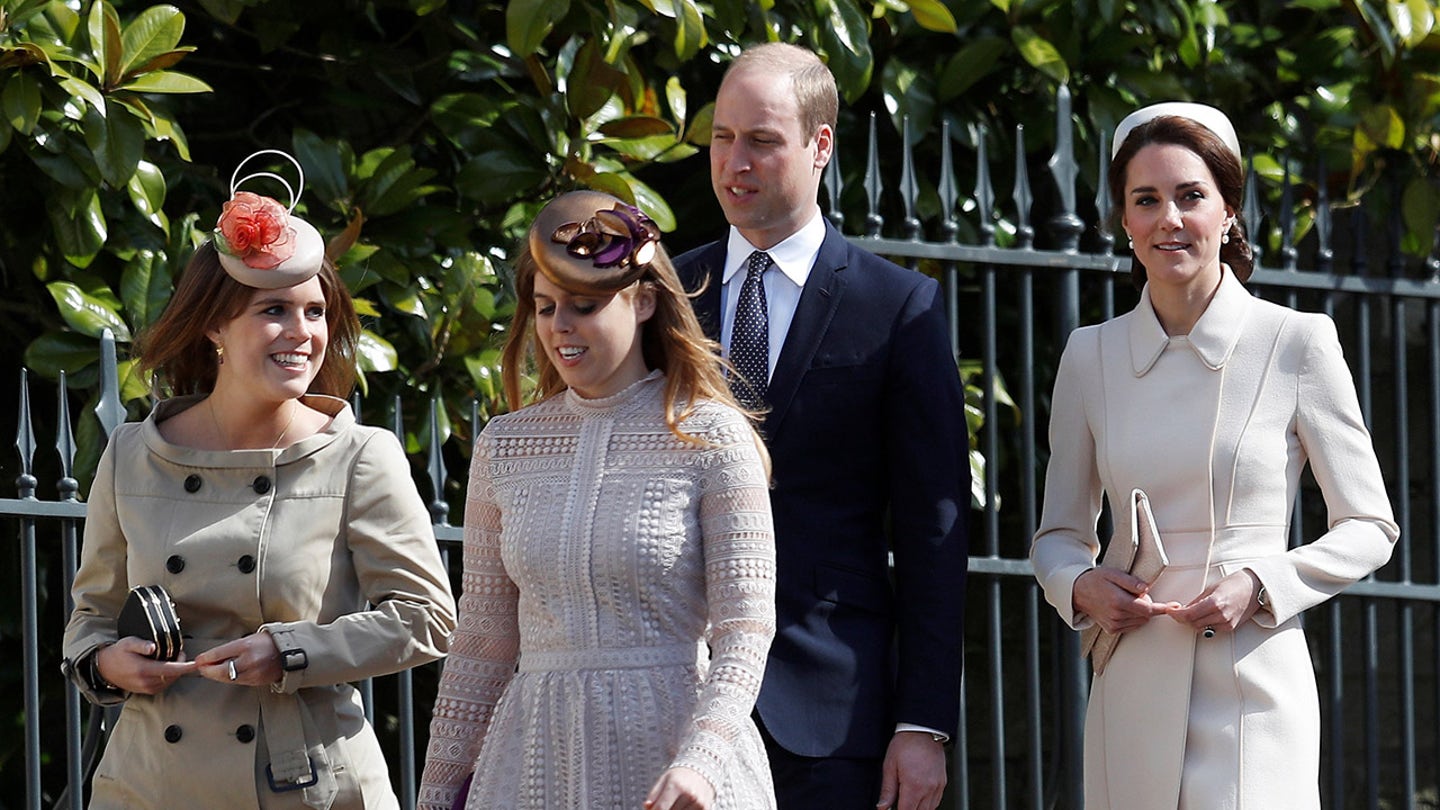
{"type": "Point", "coordinates": [914, 773]}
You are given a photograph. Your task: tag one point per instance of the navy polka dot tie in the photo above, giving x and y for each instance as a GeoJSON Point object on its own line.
{"type": "Point", "coordinates": [750, 338]}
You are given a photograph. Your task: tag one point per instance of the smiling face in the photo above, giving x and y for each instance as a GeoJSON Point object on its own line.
{"type": "Point", "coordinates": [764, 167]}
{"type": "Point", "coordinates": [1175, 215]}
{"type": "Point", "coordinates": [593, 341]}
{"type": "Point", "coordinates": [276, 345]}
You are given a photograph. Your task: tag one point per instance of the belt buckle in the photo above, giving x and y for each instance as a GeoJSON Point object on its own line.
{"type": "Point", "coordinates": [289, 786]}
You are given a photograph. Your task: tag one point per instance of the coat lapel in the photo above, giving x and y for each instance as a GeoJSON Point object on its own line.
{"type": "Point", "coordinates": [818, 302]}
{"type": "Point", "coordinates": [709, 265]}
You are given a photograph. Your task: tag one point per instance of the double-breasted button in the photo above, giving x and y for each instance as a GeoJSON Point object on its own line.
{"type": "Point", "coordinates": [192, 483]}
{"type": "Point", "coordinates": [175, 564]}
{"type": "Point", "coordinates": [173, 734]}
{"type": "Point", "coordinates": [245, 733]}
{"type": "Point", "coordinates": [246, 563]}
{"type": "Point", "coordinates": [261, 485]}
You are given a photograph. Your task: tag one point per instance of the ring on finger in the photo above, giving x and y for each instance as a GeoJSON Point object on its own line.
{"type": "Point", "coordinates": [231, 664]}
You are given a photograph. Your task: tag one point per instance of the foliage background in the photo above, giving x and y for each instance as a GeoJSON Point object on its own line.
{"type": "Point", "coordinates": [431, 130]}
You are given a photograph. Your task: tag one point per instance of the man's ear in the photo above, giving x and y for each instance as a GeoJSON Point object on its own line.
{"type": "Point", "coordinates": [824, 146]}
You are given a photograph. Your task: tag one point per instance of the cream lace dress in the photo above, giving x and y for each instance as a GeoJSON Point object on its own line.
{"type": "Point", "coordinates": [602, 554]}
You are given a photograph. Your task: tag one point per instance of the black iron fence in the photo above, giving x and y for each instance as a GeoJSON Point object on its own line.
{"type": "Point", "coordinates": [1374, 648]}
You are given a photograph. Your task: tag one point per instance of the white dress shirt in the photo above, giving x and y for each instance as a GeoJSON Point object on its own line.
{"type": "Point", "coordinates": [793, 258]}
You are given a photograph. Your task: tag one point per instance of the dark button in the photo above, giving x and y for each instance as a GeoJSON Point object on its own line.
{"type": "Point", "coordinates": [247, 564]}
{"type": "Point", "coordinates": [261, 485]}
{"type": "Point", "coordinates": [172, 734]}
{"type": "Point", "coordinates": [192, 483]}
{"type": "Point", "coordinates": [245, 733]}
{"type": "Point", "coordinates": [175, 564]}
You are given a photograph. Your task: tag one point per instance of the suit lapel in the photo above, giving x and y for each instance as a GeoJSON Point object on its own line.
{"type": "Point", "coordinates": [709, 266]}
{"type": "Point", "coordinates": [818, 302]}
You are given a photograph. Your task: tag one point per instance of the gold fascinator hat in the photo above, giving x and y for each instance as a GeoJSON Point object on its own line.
{"type": "Point", "coordinates": [1202, 114]}
{"type": "Point", "coordinates": [591, 243]}
{"type": "Point", "coordinates": [260, 242]}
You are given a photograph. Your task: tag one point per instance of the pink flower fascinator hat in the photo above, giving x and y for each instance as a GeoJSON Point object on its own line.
{"type": "Point", "coordinates": [260, 242]}
{"type": "Point", "coordinates": [1202, 114]}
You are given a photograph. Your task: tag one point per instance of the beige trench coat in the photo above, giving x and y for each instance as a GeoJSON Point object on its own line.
{"type": "Point", "coordinates": [295, 541]}
{"type": "Point", "coordinates": [1216, 427]}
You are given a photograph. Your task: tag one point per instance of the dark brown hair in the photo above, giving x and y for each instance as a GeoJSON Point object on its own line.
{"type": "Point", "coordinates": [1224, 165]}
{"type": "Point", "coordinates": [179, 352]}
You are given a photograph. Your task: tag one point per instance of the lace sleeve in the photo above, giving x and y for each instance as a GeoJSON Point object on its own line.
{"type": "Point", "coordinates": [739, 544]}
{"type": "Point", "coordinates": [483, 650]}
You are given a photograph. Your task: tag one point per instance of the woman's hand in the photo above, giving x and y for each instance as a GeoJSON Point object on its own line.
{"type": "Point", "coordinates": [1115, 600]}
{"type": "Point", "coordinates": [250, 661]}
{"type": "Point", "coordinates": [127, 664]}
{"type": "Point", "coordinates": [1223, 606]}
{"type": "Point", "coordinates": [681, 789]}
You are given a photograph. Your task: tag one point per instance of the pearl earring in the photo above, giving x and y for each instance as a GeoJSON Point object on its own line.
{"type": "Point", "coordinates": [1130, 241]}
{"type": "Point", "coordinates": [1225, 240]}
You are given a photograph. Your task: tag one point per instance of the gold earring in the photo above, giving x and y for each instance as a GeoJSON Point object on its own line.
{"type": "Point", "coordinates": [219, 354]}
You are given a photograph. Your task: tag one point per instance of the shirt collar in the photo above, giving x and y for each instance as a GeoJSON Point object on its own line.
{"type": "Point", "coordinates": [1213, 338]}
{"type": "Point", "coordinates": [794, 256]}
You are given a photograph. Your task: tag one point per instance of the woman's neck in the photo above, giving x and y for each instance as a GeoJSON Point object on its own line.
{"type": "Point", "coordinates": [1178, 308]}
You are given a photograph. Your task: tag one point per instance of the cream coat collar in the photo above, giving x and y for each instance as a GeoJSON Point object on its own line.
{"type": "Point", "coordinates": [1213, 337]}
{"type": "Point", "coordinates": [341, 419]}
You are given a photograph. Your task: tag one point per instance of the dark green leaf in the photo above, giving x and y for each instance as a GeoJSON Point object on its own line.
{"type": "Point", "coordinates": [844, 34]}
{"type": "Point", "coordinates": [324, 167]}
{"type": "Point", "coordinates": [157, 30]}
{"type": "Point", "coordinates": [499, 175]}
{"type": "Point", "coordinates": [117, 141]}
{"type": "Point", "coordinates": [1040, 53]}
{"type": "Point", "coordinates": [147, 189]}
{"type": "Point", "coordinates": [54, 352]}
{"type": "Point", "coordinates": [528, 21]}
{"type": "Point", "coordinates": [375, 353]}
{"type": "Point", "coordinates": [636, 126]}
{"type": "Point", "coordinates": [21, 102]}
{"type": "Point", "coordinates": [690, 34]}
{"type": "Point", "coordinates": [85, 313]}
{"type": "Point", "coordinates": [226, 11]}
{"type": "Point", "coordinates": [145, 287]}
{"type": "Point", "coordinates": [80, 234]}
{"type": "Point", "coordinates": [592, 82]}
{"type": "Point", "coordinates": [970, 64]}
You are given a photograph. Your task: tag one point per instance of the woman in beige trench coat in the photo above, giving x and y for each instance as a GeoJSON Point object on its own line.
{"type": "Point", "coordinates": [295, 547]}
{"type": "Point", "coordinates": [1212, 402]}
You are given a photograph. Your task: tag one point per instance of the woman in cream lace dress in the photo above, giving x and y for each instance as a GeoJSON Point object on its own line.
{"type": "Point", "coordinates": [618, 599]}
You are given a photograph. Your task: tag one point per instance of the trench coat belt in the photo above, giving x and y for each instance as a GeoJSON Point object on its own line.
{"type": "Point", "coordinates": [281, 719]}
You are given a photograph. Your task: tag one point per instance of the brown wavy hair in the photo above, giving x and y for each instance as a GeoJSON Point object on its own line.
{"type": "Point", "coordinates": [1224, 165]}
{"type": "Point", "coordinates": [671, 340]}
{"type": "Point", "coordinates": [177, 349]}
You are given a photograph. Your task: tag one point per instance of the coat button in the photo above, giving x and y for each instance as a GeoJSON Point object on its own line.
{"type": "Point", "coordinates": [246, 563]}
{"type": "Point", "coordinates": [175, 564]}
{"type": "Point", "coordinates": [245, 733]}
{"type": "Point", "coordinates": [172, 734]}
{"type": "Point", "coordinates": [261, 485]}
{"type": "Point", "coordinates": [192, 483]}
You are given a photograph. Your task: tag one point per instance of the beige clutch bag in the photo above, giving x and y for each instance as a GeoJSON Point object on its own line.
{"type": "Point", "coordinates": [1143, 557]}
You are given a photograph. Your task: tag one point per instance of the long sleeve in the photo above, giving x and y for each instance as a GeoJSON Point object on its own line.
{"type": "Point", "coordinates": [400, 573]}
{"type": "Point", "coordinates": [100, 583]}
{"type": "Point", "coordinates": [1066, 544]}
{"type": "Point", "coordinates": [927, 455]}
{"type": "Point", "coordinates": [483, 652]}
{"type": "Point", "coordinates": [739, 545]}
{"type": "Point", "coordinates": [1361, 531]}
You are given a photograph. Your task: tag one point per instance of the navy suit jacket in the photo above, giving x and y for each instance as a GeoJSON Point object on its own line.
{"type": "Point", "coordinates": [866, 429]}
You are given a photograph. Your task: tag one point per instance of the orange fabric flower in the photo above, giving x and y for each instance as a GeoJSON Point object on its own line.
{"type": "Point", "coordinates": [256, 230]}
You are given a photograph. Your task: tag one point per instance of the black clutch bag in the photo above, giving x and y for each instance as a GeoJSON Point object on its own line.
{"type": "Point", "coordinates": [149, 613]}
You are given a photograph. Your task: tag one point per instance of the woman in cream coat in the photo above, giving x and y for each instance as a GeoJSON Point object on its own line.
{"type": "Point", "coordinates": [292, 541]}
{"type": "Point", "coordinates": [1212, 402]}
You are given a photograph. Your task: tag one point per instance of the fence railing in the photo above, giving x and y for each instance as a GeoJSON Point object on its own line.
{"type": "Point", "coordinates": [1376, 648]}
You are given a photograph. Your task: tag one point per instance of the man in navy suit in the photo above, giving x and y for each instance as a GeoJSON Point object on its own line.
{"type": "Point", "coordinates": [866, 430]}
